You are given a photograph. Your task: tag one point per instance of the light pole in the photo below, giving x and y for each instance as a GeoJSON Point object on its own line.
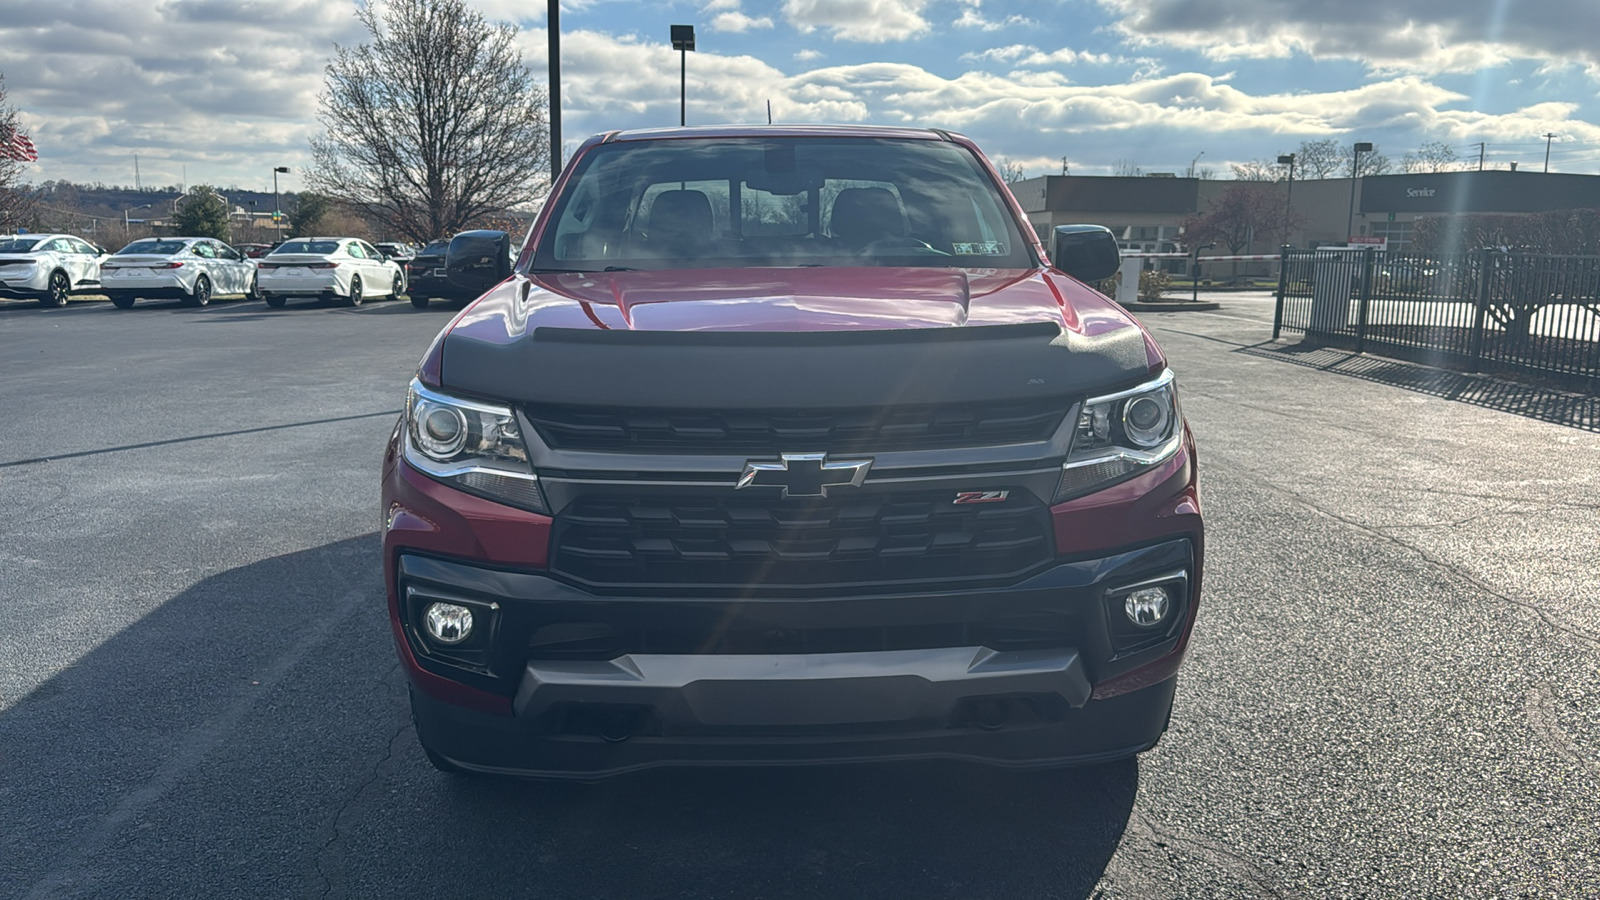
{"type": "Point", "coordinates": [277, 214]}
{"type": "Point", "coordinates": [125, 218]}
{"type": "Point", "coordinates": [683, 42]}
{"type": "Point", "coordinates": [1288, 202]}
{"type": "Point", "coordinates": [1355, 170]}
{"type": "Point", "coordinates": [1195, 160]}
{"type": "Point", "coordinates": [553, 21]}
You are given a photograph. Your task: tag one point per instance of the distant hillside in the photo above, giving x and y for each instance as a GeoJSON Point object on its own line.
{"type": "Point", "coordinates": [111, 202]}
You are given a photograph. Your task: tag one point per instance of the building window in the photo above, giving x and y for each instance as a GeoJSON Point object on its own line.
{"type": "Point", "coordinates": [1400, 235]}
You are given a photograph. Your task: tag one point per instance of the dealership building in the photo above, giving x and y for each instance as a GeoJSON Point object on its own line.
{"type": "Point", "coordinates": [1146, 213]}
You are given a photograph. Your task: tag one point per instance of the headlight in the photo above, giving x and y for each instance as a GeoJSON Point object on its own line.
{"type": "Point", "coordinates": [470, 445]}
{"type": "Point", "coordinates": [1120, 435]}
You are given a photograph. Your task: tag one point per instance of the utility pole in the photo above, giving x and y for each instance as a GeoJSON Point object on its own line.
{"type": "Point", "coordinates": [1065, 169]}
{"type": "Point", "coordinates": [1549, 136]}
{"type": "Point", "coordinates": [1481, 148]}
{"type": "Point", "coordinates": [553, 29]}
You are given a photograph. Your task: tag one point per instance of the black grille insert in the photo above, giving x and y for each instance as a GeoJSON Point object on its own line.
{"type": "Point", "coordinates": [789, 431]}
{"type": "Point", "coordinates": [740, 540]}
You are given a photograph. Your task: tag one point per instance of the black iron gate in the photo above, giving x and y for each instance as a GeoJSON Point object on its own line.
{"type": "Point", "coordinates": [1487, 310]}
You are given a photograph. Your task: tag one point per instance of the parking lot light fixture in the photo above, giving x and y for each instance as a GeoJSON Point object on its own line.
{"type": "Point", "coordinates": [1287, 159]}
{"type": "Point", "coordinates": [1355, 172]}
{"type": "Point", "coordinates": [683, 42]}
{"type": "Point", "coordinates": [277, 214]}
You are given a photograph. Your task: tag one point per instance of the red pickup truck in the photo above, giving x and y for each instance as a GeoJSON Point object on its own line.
{"type": "Point", "coordinates": [785, 445]}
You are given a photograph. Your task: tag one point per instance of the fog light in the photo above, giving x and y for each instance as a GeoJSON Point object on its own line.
{"type": "Point", "coordinates": [448, 623]}
{"type": "Point", "coordinates": [1147, 606]}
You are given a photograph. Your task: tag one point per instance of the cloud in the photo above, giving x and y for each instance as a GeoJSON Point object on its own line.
{"type": "Point", "coordinates": [738, 22]}
{"type": "Point", "coordinates": [232, 90]}
{"type": "Point", "coordinates": [1424, 36]}
{"type": "Point", "coordinates": [229, 85]}
{"type": "Point", "coordinates": [971, 18]}
{"type": "Point", "coordinates": [1030, 56]}
{"type": "Point", "coordinates": [869, 21]}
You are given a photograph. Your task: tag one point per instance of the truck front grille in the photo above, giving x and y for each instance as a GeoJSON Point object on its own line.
{"type": "Point", "coordinates": [789, 431]}
{"type": "Point", "coordinates": [888, 540]}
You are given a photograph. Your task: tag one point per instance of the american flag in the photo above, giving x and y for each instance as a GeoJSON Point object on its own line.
{"type": "Point", "coordinates": [16, 145]}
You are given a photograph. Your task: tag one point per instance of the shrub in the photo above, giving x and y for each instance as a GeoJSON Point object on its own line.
{"type": "Point", "coordinates": [1153, 284]}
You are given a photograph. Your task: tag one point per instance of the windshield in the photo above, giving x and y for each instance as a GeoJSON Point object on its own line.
{"type": "Point", "coordinates": [322, 247]}
{"type": "Point", "coordinates": [435, 248]}
{"type": "Point", "coordinates": [781, 202]}
{"type": "Point", "coordinates": [156, 247]}
{"type": "Point", "coordinates": [19, 245]}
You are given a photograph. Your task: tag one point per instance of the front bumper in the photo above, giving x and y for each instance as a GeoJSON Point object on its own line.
{"type": "Point", "coordinates": [1099, 731]}
{"type": "Point", "coordinates": [1002, 675]}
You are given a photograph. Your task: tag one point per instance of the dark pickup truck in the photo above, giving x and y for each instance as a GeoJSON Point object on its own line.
{"type": "Point", "coordinates": [782, 446]}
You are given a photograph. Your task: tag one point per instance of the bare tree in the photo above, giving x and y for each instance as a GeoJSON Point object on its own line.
{"type": "Point", "coordinates": [434, 124]}
{"type": "Point", "coordinates": [1432, 156]}
{"type": "Point", "coordinates": [1126, 168]}
{"type": "Point", "coordinates": [1328, 159]}
{"type": "Point", "coordinates": [1241, 214]}
{"type": "Point", "coordinates": [1321, 159]}
{"type": "Point", "coordinates": [18, 204]}
{"type": "Point", "coordinates": [1372, 162]}
{"type": "Point", "coordinates": [1257, 170]}
{"type": "Point", "coordinates": [1011, 172]}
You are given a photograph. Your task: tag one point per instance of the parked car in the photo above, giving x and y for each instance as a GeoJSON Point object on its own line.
{"type": "Point", "coordinates": [427, 280]}
{"type": "Point", "coordinates": [188, 269]}
{"type": "Point", "coordinates": [400, 253]}
{"type": "Point", "coordinates": [49, 268]}
{"type": "Point", "coordinates": [328, 268]}
{"type": "Point", "coordinates": [845, 471]}
{"type": "Point", "coordinates": [254, 251]}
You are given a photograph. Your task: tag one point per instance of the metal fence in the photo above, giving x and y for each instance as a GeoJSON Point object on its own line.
{"type": "Point", "coordinates": [1488, 310]}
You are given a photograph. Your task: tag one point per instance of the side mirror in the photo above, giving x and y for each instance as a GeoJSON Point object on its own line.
{"type": "Point", "coordinates": [478, 260]}
{"type": "Point", "coordinates": [1086, 252]}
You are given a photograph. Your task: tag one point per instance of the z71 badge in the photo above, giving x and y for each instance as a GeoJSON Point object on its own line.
{"type": "Point", "coordinates": [981, 496]}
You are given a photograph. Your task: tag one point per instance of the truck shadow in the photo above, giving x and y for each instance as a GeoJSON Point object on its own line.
{"type": "Point", "coordinates": [1546, 404]}
{"type": "Point", "coordinates": [891, 830]}
{"type": "Point", "coordinates": [249, 736]}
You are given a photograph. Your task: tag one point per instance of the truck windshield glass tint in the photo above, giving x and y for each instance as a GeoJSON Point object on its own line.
{"type": "Point", "coordinates": [793, 202]}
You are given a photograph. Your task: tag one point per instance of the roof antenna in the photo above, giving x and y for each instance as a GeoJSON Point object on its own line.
{"type": "Point", "coordinates": [769, 112]}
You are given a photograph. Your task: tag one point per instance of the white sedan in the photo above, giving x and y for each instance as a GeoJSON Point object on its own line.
{"type": "Point", "coordinates": [192, 270]}
{"type": "Point", "coordinates": [328, 268]}
{"type": "Point", "coordinates": [48, 267]}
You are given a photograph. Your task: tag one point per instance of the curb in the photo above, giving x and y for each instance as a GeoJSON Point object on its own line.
{"type": "Point", "coordinates": [1180, 306]}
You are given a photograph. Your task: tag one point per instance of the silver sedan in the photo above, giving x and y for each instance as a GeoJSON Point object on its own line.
{"type": "Point", "coordinates": [192, 270]}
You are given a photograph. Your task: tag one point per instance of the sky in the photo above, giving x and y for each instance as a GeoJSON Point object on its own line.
{"type": "Point", "coordinates": [221, 91]}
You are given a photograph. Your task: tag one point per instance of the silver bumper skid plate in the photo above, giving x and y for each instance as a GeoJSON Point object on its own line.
{"type": "Point", "coordinates": [804, 689]}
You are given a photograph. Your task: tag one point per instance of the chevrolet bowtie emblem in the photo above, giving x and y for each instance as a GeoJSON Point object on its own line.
{"type": "Point", "coordinates": [804, 474]}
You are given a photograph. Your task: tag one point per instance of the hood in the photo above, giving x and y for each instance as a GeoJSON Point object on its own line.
{"type": "Point", "coordinates": [787, 300]}
{"type": "Point", "coordinates": [793, 337]}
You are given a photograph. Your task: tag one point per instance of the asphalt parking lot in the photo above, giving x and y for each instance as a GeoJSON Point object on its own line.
{"type": "Point", "coordinates": [1394, 689]}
